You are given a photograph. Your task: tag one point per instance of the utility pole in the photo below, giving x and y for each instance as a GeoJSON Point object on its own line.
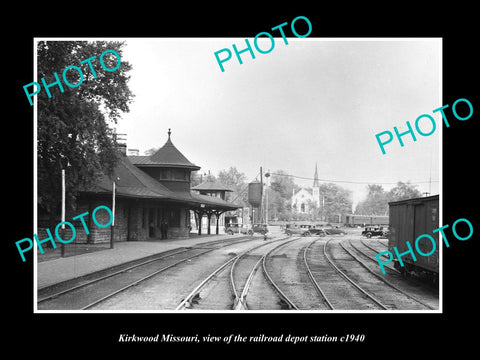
{"type": "Point", "coordinates": [112, 230]}
{"type": "Point", "coordinates": [261, 187]}
{"type": "Point", "coordinates": [267, 175]}
{"type": "Point", "coordinates": [62, 246]}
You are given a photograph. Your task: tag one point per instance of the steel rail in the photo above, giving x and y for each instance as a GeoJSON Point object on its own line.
{"type": "Point", "coordinates": [83, 284]}
{"type": "Point", "coordinates": [189, 297]}
{"type": "Point", "coordinates": [243, 297]}
{"type": "Point", "coordinates": [310, 274]}
{"type": "Point", "coordinates": [240, 300]}
{"type": "Point", "coordinates": [136, 282]}
{"type": "Point", "coordinates": [375, 300]}
{"type": "Point", "coordinates": [166, 268]}
{"type": "Point", "coordinates": [196, 290]}
{"type": "Point", "coordinates": [381, 243]}
{"type": "Point", "coordinates": [165, 255]}
{"type": "Point", "coordinates": [272, 282]}
{"type": "Point", "coordinates": [376, 252]}
{"type": "Point", "coordinates": [382, 277]}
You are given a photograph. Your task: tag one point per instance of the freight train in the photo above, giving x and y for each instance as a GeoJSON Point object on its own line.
{"type": "Point", "coordinates": [408, 220]}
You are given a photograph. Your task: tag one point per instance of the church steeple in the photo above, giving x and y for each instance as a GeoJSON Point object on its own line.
{"type": "Point", "coordinates": [316, 187]}
{"type": "Point", "coordinates": [315, 177]}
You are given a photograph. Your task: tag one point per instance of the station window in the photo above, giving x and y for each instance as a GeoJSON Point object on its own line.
{"type": "Point", "coordinates": [174, 174]}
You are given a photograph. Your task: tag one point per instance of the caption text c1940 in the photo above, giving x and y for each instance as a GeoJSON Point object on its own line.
{"type": "Point", "coordinates": [238, 338]}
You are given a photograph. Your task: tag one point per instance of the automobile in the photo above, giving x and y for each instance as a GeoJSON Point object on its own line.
{"type": "Point", "coordinates": [317, 231]}
{"type": "Point", "coordinates": [334, 231]}
{"type": "Point", "coordinates": [260, 228]}
{"type": "Point", "coordinates": [302, 230]}
{"type": "Point", "coordinates": [231, 229]}
{"type": "Point", "coordinates": [374, 231]}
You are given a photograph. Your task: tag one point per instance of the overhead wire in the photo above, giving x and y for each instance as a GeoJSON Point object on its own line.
{"type": "Point", "coordinates": [351, 182]}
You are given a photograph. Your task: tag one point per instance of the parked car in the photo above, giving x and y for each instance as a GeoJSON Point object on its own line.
{"type": "Point", "coordinates": [302, 230]}
{"type": "Point", "coordinates": [334, 231]}
{"type": "Point", "coordinates": [231, 229]}
{"type": "Point", "coordinates": [317, 231]}
{"type": "Point", "coordinates": [374, 231]}
{"type": "Point", "coordinates": [298, 231]}
{"type": "Point", "coordinates": [260, 228]}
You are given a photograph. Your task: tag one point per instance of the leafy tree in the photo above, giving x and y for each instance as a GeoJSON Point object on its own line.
{"type": "Point", "coordinates": [277, 205]}
{"type": "Point", "coordinates": [199, 177]}
{"type": "Point", "coordinates": [73, 126]}
{"type": "Point", "coordinates": [236, 181]}
{"type": "Point", "coordinates": [283, 183]}
{"type": "Point", "coordinates": [151, 151]}
{"type": "Point", "coordinates": [282, 186]}
{"type": "Point", "coordinates": [403, 191]}
{"type": "Point", "coordinates": [334, 200]}
{"type": "Point", "coordinates": [376, 202]}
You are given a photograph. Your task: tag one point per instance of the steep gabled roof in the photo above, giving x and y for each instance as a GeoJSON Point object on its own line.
{"type": "Point", "coordinates": [132, 182]}
{"type": "Point", "coordinates": [135, 183]}
{"type": "Point", "coordinates": [167, 156]}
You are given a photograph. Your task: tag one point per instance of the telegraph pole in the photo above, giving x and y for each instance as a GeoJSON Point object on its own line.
{"type": "Point", "coordinates": [267, 175]}
{"type": "Point", "coordinates": [62, 246]}
{"type": "Point", "coordinates": [261, 202]}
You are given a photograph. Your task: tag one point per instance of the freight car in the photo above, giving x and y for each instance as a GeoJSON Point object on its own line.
{"type": "Point", "coordinates": [363, 220]}
{"type": "Point", "coordinates": [408, 220]}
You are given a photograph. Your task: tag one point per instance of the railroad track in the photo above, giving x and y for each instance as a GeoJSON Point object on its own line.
{"type": "Point", "coordinates": [297, 293]}
{"type": "Point", "coordinates": [312, 278]}
{"type": "Point", "coordinates": [238, 293]}
{"type": "Point", "coordinates": [394, 279]}
{"type": "Point", "coordinates": [366, 294]}
{"type": "Point", "coordinates": [374, 282]}
{"type": "Point", "coordinates": [335, 289]}
{"type": "Point", "coordinates": [89, 293]}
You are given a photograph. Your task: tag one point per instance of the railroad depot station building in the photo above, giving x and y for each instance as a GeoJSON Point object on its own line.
{"type": "Point", "coordinates": [153, 193]}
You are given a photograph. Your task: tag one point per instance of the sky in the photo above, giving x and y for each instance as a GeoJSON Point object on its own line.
{"type": "Point", "coordinates": [313, 101]}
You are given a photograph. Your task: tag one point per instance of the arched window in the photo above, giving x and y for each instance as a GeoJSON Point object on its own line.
{"type": "Point", "coordinates": [302, 208]}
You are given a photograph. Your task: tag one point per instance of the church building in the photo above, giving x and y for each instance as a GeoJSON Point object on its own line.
{"type": "Point", "coordinates": [303, 200]}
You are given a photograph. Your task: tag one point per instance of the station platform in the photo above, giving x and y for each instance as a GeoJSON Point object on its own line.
{"type": "Point", "coordinates": [61, 269]}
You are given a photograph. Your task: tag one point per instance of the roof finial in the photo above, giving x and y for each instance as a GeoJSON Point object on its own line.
{"type": "Point", "coordinates": [169, 132]}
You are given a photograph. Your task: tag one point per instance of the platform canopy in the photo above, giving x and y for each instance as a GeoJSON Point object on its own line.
{"type": "Point", "coordinates": [208, 186]}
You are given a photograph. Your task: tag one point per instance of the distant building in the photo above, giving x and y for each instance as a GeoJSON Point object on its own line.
{"type": "Point", "coordinates": [303, 199]}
